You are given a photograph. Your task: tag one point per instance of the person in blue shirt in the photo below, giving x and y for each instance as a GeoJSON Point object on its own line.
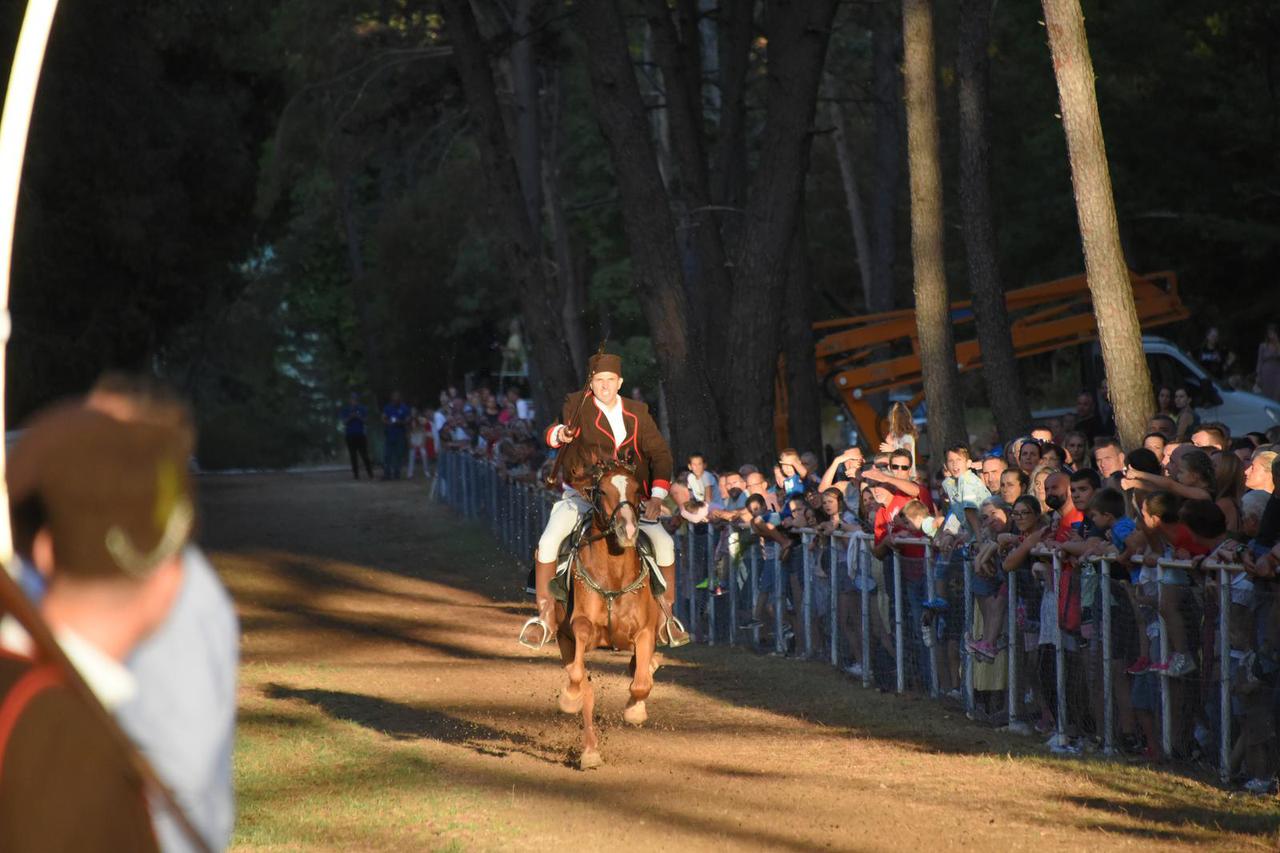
{"type": "Point", "coordinates": [395, 420]}
{"type": "Point", "coordinates": [353, 415]}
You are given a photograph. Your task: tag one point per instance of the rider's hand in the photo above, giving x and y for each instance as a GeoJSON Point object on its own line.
{"type": "Point", "coordinates": [568, 434]}
{"type": "Point", "coordinates": [652, 509]}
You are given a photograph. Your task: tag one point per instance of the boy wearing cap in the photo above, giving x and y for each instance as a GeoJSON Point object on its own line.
{"type": "Point", "coordinates": [103, 510]}
{"type": "Point", "coordinates": [598, 423]}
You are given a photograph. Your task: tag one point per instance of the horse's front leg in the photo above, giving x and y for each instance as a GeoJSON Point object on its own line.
{"type": "Point", "coordinates": [581, 693]}
{"type": "Point", "coordinates": [573, 652]}
{"type": "Point", "coordinates": [641, 677]}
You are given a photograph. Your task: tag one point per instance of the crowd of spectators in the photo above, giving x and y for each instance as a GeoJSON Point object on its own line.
{"type": "Point", "coordinates": [1191, 491]}
{"type": "Point", "coordinates": [496, 427]}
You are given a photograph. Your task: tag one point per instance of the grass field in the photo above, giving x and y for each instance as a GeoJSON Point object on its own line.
{"type": "Point", "coordinates": [384, 706]}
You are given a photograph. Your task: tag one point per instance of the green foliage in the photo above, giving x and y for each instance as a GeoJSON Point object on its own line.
{"type": "Point", "coordinates": [275, 203]}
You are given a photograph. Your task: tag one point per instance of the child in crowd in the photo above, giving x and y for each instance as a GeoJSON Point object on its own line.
{"type": "Point", "coordinates": [902, 433]}
{"type": "Point", "coordinates": [1166, 536]}
{"type": "Point", "coordinates": [988, 579]}
{"type": "Point", "coordinates": [702, 483]}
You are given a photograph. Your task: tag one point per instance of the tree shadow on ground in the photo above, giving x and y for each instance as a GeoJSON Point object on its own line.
{"type": "Point", "coordinates": [408, 722]}
{"type": "Point", "coordinates": [808, 692]}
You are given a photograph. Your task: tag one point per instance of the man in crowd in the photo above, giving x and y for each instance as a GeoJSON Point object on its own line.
{"type": "Point", "coordinates": [353, 416]}
{"type": "Point", "coordinates": [395, 420]}
{"type": "Point", "coordinates": [102, 508]}
{"type": "Point", "coordinates": [992, 468]}
{"type": "Point", "coordinates": [1088, 421]}
{"type": "Point", "coordinates": [1108, 460]}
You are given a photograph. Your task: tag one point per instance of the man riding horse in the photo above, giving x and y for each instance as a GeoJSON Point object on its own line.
{"type": "Point", "coordinates": [597, 424]}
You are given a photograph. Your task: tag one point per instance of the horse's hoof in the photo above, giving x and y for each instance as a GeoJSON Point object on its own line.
{"type": "Point", "coordinates": [590, 760]}
{"type": "Point", "coordinates": [635, 714]}
{"type": "Point", "coordinates": [570, 704]}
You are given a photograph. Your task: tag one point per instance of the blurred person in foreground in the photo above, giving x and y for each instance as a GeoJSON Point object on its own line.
{"type": "Point", "coordinates": [183, 715]}
{"type": "Point", "coordinates": [102, 509]}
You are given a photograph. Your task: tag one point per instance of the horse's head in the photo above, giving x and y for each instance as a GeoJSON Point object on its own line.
{"type": "Point", "coordinates": [615, 494]}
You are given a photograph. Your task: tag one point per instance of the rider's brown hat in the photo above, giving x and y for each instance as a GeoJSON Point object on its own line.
{"type": "Point", "coordinates": [604, 362]}
{"type": "Point", "coordinates": [116, 497]}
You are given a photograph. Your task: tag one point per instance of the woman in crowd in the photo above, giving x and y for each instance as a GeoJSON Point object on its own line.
{"type": "Point", "coordinates": [1164, 401]}
{"type": "Point", "coordinates": [1228, 487]}
{"type": "Point", "coordinates": [1076, 445]}
{"type": "Point", "coordinates": [1028, 455]}
{"type": "Point", "coordinates": [1184, 414]}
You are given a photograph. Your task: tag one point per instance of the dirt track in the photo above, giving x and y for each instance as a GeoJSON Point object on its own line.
{"type": "Point", "coordinates": [379, 645]}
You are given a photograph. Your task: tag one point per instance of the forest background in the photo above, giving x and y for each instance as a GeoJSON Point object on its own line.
{"type": "Point", "coordinates": [274, 203]}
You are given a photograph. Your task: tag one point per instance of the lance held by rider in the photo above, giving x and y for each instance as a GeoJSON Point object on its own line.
{"type": "Point", "coordinates": [597, 423]}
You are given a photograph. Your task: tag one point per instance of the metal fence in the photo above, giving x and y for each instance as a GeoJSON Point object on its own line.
{"type": "Point", "coordinates": [885, 620]}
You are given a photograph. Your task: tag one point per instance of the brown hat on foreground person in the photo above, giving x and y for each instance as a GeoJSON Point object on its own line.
{"type": "Point", "coordinates": [102, 509]}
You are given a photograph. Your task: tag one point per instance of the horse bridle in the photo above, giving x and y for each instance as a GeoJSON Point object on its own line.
{"type": "Point", "coordinates": [580, 569]}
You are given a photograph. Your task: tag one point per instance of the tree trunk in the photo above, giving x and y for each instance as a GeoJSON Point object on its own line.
{"type": "Point", "coordinates": [374, 363]}
{"type": "Point", "coordinates": [1119, 333]}
{"type": "Point", "coordinates": [572, 286]}
{"type": "Point", "coordinates": [708, 276]}
{"type": "Point", "coordinates": [999, 364]}
{"type": "Point", "coordinates": [527, 119]}
{"type": "Point", "coordinates": [737, 26]}
{"type": "Point", "coordinates": [521, 246]}
{"type": "Point", "coordinates": [933, 307]}
{"type": "Point", "coordinates": [798, 35]}
{"type": "Point", "coordinates": [650, 229]}
{"type": "Point", "coordinates": [803, 400]}
{"type": "Point", "coordinates": [886, 83]}
{"type": "Point", "coordinates": [853, 202]}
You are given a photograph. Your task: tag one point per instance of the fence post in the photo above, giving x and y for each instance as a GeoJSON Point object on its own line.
{"type": "Point", "coordinates": [806, 594]}
{"type": "Point", "coordinates": [1013, 646]}
{"type": "Point", "coordinates": [1108, 686]}
{"type": "Point", "coordinates": [931, 651]}
{"type": "Point", "coordinates": [691, 583]}
{"type": "Point", "coordinates": [863, 555]}
{"type": "Point", "coordinates": [898, 644]}
{"type": "Point", "coordinates": [779, 601]}
{"type": "Point", "coordinates": [753, 594]}
{"type": "Point", "coordinates": [735, 538]}
{"type": "Point", "coordinates": [711, 584]}
{"type": "Point", "coordinates": [1224, 673]}
{"type": "Point", "coordinates": [465, 492]}
{"type": "Point", "coordinates": [968, 627]}
{"type": "Point", "coordinates": [1166, 701]}
{"type": "Point", "coordinates": [1060, 652]}
{"type": "Point", "coordinates": [834, 626]}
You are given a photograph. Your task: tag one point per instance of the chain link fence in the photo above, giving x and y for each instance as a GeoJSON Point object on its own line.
{"type": "Point", "coordinates": [1057, 657]}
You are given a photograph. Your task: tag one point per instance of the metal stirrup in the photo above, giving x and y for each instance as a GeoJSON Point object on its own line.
{"type": "Point", "coordinates": [670, 638]}
{"type": "Point", "coordinates": [546, 634]}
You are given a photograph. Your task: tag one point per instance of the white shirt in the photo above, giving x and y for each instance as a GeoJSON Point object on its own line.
{"type": "Point", "coordinates": [184, 714]}
{"type": "Point", "coordinates": [107, 678]}
{"type": "Point", "coordinates": [614, 416]}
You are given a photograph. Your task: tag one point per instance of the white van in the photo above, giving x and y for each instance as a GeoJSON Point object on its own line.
{"type": "Point", "coordinates": [1241, 411]}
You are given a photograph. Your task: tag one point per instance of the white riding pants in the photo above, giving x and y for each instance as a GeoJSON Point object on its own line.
{"type": "Point", "coordinates": [571, 507]}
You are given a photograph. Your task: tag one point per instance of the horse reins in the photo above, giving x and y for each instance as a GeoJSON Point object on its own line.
{"type": "Point", "coordinates": [580, 569]}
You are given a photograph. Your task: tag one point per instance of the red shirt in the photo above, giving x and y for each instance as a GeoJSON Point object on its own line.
{"type": "Point", "coordinates": [913, 555]}
{"type": "Point", "coordinates": [1182, 540]}
{"type": "Point", "coordinates": [1063, 531]}
{"type": "Point", "coordinates": [886, 514]}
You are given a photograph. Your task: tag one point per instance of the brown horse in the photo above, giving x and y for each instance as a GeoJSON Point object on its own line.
{"type": "Point", "coordinates": [613, 605]}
